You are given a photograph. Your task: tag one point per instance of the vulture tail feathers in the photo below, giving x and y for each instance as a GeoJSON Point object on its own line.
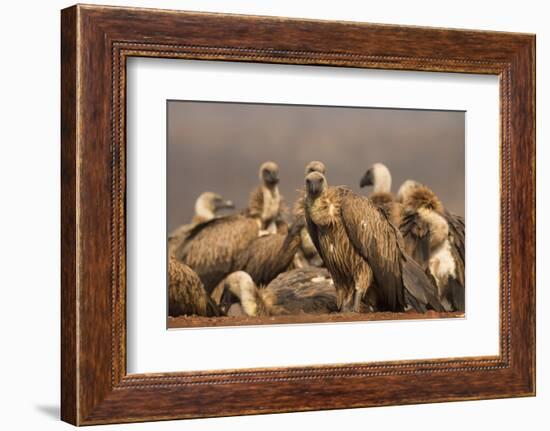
{"type": "Point", "coordinates": [420, 292]}
{"type": "Point", "coordinates": [456, 293]}
{"type": "Point", "coordinates": [414, 303]}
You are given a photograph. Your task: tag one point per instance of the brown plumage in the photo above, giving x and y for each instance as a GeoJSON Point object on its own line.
{"type": "Point", "coordinates": [177, 236]}
{"type": "Point", "coordinates": [307, 254]}
{"type": "Point", "coordinates": [378, 176]}
{"type": "Point", "coordinates": [435, 239]}
{"type": "Point", "coordinates": [362, 250]}
{"type": "Point", "coordinates": [307, 290]}
{"type": "Point", "coordinates": [212, 248]}
{"type": "Point", "coordinates": [265, 202]}
{"type": "Point", "coordinates": [186, 294]}
{"type": "Point", "coordinates": [207, 206]}
{"type": "Point", "coordinates": [269, 255]}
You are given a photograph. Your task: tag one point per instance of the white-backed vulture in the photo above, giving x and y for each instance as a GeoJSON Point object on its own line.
{"type": "Point", "coordinates": [435, 243]}
{"type": "Point", "coordinates": [308, 254]}
{"type": "Point", "coordinates": [378, 176]}
{"type": "Point", "coordinates": [300, 291]}
{"type": "Point", "coordinates": [267, 256]}
{"type": "Point", "coordinates": [362, 250]}
{"type": "Point", "coordinates": [456, 223]}
{"type": "Point", "coordinates": [186, 294]}
{"type": "Point", "coordinates": [206, 207]}
{"type": "Point", "coordinates": [265, 201]}
{"type": "Point", "coordinates": [212, 248]}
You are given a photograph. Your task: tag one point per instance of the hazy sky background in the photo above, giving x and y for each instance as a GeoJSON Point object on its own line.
{"type": "Point", "coordinates": [219, 147]}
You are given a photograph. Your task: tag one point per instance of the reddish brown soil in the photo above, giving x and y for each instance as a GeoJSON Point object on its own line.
{"type": "Point", "coordinates": [196, 322]}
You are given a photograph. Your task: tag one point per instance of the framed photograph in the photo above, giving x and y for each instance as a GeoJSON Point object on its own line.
{"type": "Point", "coordinates": [267, 215]}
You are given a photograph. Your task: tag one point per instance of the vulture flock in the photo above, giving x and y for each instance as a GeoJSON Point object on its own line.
{"type": "Point", "coordinates": [339, 252]}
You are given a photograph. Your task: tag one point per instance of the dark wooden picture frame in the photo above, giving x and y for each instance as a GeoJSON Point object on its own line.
{"type": "Point", "coordinates": [95, 43]}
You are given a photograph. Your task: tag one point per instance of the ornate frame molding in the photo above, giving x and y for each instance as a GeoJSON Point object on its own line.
{"type": "Point", "coordinates": [96, 41]}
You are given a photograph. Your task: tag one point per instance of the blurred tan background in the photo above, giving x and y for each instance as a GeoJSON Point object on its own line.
{"type": "Point", "coordinates": [219, 147]}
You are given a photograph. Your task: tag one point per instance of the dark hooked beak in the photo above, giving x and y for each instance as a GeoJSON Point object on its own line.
{"type": "Point", "coordinates": [367, 179]}
{"type": "Point", "coordinates": [271, 177]}
{"type": "Point", "coordinates": [314, 187]}
{"type": "Point", "coordinates": [227, 300]}
{"type": "Point", "coordinates": [227, 204]}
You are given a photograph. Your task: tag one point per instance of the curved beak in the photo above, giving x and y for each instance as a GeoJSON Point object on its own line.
{"type": "Point", "coordinates": [227, 299]}
{"type": "Point", "coordinates": [221, 205]}
{"type": "Point", "coordinates": [313, 187]}
{"type": "Point", "coordinates": [271, 177]}
{"type": "Point", "coordinates": [227, 204]}
{"type": "Point", "coordinates": [367, 179]}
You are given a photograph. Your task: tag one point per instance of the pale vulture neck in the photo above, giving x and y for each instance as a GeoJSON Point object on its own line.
{"type": "Point", "coordinates": [382, 179]}
{"type": "Point", "coordinates": [203, 209]}
{"type": "Point", "coordinates": [273, 189]}
{"type": "Point", "coordinates": [242, 286]}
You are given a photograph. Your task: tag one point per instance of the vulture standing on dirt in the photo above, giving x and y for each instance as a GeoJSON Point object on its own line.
{"type": "Point", "coordinates": [269, 255]}
{"type": "Point", "coordinates": [212, 248]}
{"type": "Point", "coordinates": [186, 294]}
{"type": "Point", "coordinates": [435, 239]}
{"type": "Point", "coordinates": [308, 290]}
{"type": "Point", "coordinates": [265, 201]}
{"type": "Point", "coordinates": [206, 207]}
{"type": "Point", "coordinates": [378, 176]}
{"type": "Point", "coordinates": [307, 254]}
{"type": "Point", "coordinates": [362, 250]}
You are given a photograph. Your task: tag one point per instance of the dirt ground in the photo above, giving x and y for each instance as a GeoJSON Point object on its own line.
{"type": "Point", "coordinates": [197, 322]}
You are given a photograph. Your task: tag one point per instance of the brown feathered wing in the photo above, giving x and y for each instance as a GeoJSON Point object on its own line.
{"type": "Point", "coordinates": [416, 237]}
{"type": "Point", "coordinates": [268, 256]}
{"type": "Point", "coordinates": [186, 294]}
{"type": "Point", "coordinates": [305, 290]}
{"type": "Point", "coordinates": [397, 275]}
{"type": "Point", "coordinates": [212, 248]}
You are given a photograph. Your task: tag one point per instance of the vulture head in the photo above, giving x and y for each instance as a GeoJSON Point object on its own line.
{"type": "Point", "coordinates": [316, 183]}
{"type": "Point", "coordinates": [269, 174]}
{"type": "Point", "coordinates": [208, 203]}
{"type": "Point", "coordinates": [315, 166]}
{"type": "Point", "coordinates": [421, 197]}
{"type": "Point", "coordinates": [378, 175]}
{"type": "Point", "coordinates": [406, 189]}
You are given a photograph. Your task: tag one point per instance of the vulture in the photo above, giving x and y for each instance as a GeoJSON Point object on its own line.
{"type": "Point", "coordinates": [406, 188]}
{"type": "Point", "coordinates": [269, 255]}
{"type": "Point", "coordinates": [212, 248]}
{"type": "Point", "coordinates": [206, 207]}
{"type": "Point", "coordinates": [265, 201]}
{"type": "Point", "coordinates": [434, 237]}
{"type": "Point", "coordinates": [299, 291]}
{"type": "Point", "coordinates": [307, 254]}
{"type": "Point", "coordinates": [362, 250]}
{"type": "Point", "coordinates": [378, 176]}
{"type": "Point", "coordinates": [456, 223]}
{"type": "Point", "coordinates": [186, 294]}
